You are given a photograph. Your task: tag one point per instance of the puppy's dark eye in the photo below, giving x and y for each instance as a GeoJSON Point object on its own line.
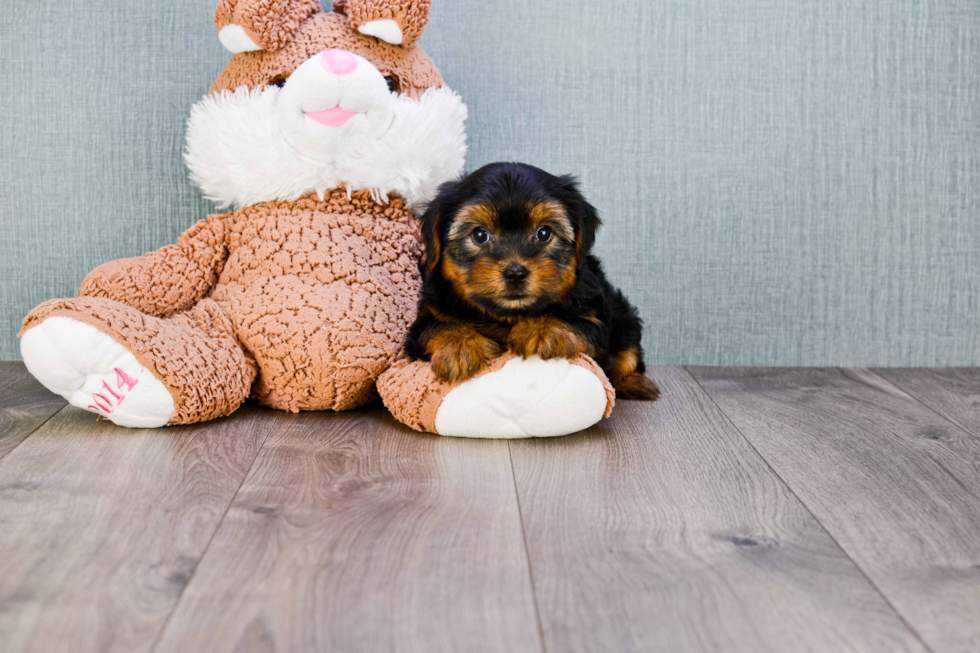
{"type": "Point", "coordinates": [392, 84]}
{"type": "Point", "coordinates": [278, 83]}
{"type": "Point", "coordinates": [544, 234]}
{"type": "Point", "coordinates": [480, 236]}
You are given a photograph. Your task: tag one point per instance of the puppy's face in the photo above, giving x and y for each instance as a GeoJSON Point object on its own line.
{"type": "Point", "coordinates": [509, 259]}
{"type": "Point", "coordinates": [510, 238]}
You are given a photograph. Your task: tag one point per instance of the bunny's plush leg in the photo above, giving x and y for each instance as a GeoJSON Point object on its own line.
{"type": "Point", "coordinates": [134, 369]}
{"type": "Point", "coordinates": [511, 398]}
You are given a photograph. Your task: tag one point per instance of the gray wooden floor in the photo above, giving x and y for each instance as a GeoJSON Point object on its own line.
{"type": "Point", "coordinates": [748, 510]}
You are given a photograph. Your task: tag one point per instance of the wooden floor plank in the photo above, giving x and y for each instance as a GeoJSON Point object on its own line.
{"type": "Point", "coordinates": [101, 527]}
{"type": "Point", "coordinates": [24, 405]}
{"type": "Point", "coordinates": [952, 392]}
{"type": "Point", "coordinates": [661, 529]}
{"type": "Point", "coordinates": [896, 485]}
{"type": "Point", "coordinates": [352, 533]}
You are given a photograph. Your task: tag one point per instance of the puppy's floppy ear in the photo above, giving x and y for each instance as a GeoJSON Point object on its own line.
{"type": "Point", "coordinates": [584, 216]}
{"type": "Point", "coordinates": [432, 221]}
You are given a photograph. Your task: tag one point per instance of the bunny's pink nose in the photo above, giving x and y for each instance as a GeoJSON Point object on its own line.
{"type": "Point", "coordinates": [338, 62]}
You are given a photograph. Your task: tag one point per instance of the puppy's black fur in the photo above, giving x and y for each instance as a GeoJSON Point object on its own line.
{"type": "Point", "coordinates": [508, 266]}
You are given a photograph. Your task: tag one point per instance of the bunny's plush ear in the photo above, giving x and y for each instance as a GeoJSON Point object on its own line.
{"type": "Point", "coordinates": [399, 22]}
{"type": "Point", "coordinates": [249, 25]}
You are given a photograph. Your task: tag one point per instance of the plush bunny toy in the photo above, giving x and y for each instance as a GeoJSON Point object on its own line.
{"type": "Point", "coordinates": [325, 133]}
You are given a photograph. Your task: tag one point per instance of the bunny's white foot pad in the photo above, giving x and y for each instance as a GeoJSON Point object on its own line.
{"type": "Point", "coordinates": [94, 372]}
{"type": "Point", "coordinates": [524, 398]}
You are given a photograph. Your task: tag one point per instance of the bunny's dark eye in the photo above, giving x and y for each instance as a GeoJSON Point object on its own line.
{"type": "Point", "coordinates": [392, 84]}
{"type": "Point", "coordinates": [544, 234]}
{"type": "Point", "coordinates": [278, 83]}
{"type": "Point", "coordinates": [480, 236]}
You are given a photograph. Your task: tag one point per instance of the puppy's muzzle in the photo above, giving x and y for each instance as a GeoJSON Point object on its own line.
{"type": "Point", "coordinates": [515, 274]}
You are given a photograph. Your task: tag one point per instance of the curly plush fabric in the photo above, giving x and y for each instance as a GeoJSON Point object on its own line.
{"type": "Point", "coordinates": [270, 23]}
{"type": "Point", "coordinates": [411, 67]}
{"type": "Point", "coordinates": [312, 304]}
{"type": "Point", "coordinates": [169, 280]}
{"type": "Point", "coordinates": [413, 395]}
{"type": "Point", "coordinates": [194, 354]}
{"type": "Point", "coordinates": [411, 15]}
{"type": "Point", "coordinates": [322, 294]}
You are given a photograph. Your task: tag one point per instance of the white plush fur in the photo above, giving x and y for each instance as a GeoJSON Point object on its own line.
{"type": "Point", "coordinates": [238, 153]}
{"type": "Point", "coordinates": [386, 30]}
{"type": "Point", "coordinates": [525, 398]}
{"type": "Point", "coordinates": [235, 40]}
{"type": "Point", "coordinates": [78, 362]}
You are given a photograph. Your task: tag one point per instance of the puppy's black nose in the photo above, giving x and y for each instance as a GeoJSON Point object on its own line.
{"type": "Point", "coordinates": [515, 273]}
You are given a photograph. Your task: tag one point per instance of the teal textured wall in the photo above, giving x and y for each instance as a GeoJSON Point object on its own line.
{"type": "Point", "coordinates": [783, 182]}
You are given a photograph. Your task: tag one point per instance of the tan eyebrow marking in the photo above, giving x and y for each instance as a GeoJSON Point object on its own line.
{"type": "Point", "coordinates": [481, 214]}
{"type": "Point", "coordinates": [553, 214]}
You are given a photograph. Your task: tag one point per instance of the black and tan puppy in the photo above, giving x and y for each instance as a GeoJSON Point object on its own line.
{"type": "Point", "coordinates": [509, 268]}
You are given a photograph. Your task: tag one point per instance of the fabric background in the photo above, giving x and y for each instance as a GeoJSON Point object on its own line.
{"type": "Point", "coordinates": [783, 182]}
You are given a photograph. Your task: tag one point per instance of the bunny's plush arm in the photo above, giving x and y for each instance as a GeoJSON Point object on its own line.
{"type": "Point", "coordinates": [168, 281]}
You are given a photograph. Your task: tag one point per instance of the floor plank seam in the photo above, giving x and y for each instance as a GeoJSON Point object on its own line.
{"type": "Point", "coordinates": [190, 578]}
{"type": "Point", "coordinates": [914, 398]}
{"type": "Point", "coordinates": [817, 520]}
{"type": "Point", "coordinates": [527, 551]}
{"type": "Point", "coordinates": [36, 429]}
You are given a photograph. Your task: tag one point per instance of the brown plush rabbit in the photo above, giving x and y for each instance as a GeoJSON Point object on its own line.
{"type": "Point", "coordinates": [325, 132]}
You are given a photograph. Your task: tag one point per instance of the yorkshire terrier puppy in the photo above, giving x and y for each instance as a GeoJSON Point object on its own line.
{"type": "Point", "coordinates": [509, 268]}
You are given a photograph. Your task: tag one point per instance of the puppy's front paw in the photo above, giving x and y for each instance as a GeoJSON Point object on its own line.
{"type": "Point", "coordinates": [546, 338]}
{"type": "Point", "coordinates": [459, 352]}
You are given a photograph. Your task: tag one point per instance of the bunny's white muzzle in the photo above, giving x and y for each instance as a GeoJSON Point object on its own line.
{"type": "Point", "coordinates": [330, 99]}
{"type": "Point", "coordinates": [333, 124]}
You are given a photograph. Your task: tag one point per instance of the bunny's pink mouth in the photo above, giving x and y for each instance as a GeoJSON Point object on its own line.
{"type": "Point", "coordinates": [335, 117]}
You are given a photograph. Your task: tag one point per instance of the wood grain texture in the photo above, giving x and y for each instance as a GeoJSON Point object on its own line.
{"type": "Point", "coordinates": [952, 392]}
{"type": "Point", "coordinates": [661, 529]}
{"type": "Point", "coordinates": [894, 483]}
{"type": "Point", "coordinates": [24, 405]}
{"type": "Point", "coordinates": [101, 527]}
{"type": "Point", "coordinates": [352, 533]}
